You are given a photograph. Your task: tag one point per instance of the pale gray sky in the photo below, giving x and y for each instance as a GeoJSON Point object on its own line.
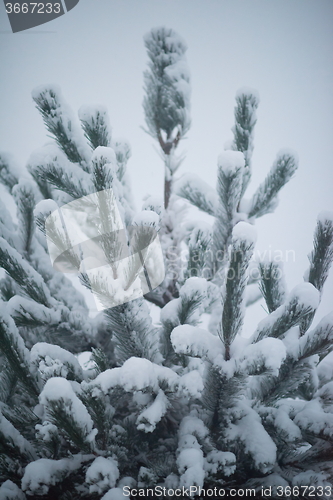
{"type": "Point", "coordinates": [281, 48]}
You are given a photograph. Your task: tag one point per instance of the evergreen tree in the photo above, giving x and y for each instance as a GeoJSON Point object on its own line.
{"type": "Point", "coordinates": [175, 405]}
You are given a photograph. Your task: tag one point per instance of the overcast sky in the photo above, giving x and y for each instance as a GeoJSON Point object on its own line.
{"type": "Point", "coordinates": [281, 48]}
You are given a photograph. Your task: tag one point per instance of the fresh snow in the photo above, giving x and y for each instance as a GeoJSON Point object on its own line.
{"type": "Point", "coordinates": [54, 360]}
{"type": "Point", "coordinates": [256, 440]}
{"type": "Point", "coordinates": [114, 494]}
{"type": "Point", "coordinates": [190, 464]}
{"type": "Point", "coordinates": [306, 294]}
{"type": "Point", "coordinates": [43, 473]}
{"type": "Point", "coordinates": [136, 374]}
{"type": "Point", "coordinates": [102, 474]}
{"type": "Point", "coordinates": [307, 298]}
{"type": "Point", "coordinates": [325, 217]}
{"type": "Point", "coordinates": [104, 155]}
{"type": "Point", "coordinates": [62, 112]}
{"type": "Point", "coordinates": [248, 91]}
{"type": "Point", "coordinates": [149, 418]}
{"type": "Point", "coordinates": [244, 231]}
{"type": "Point", "coordinates": [194, 341]}
{"type": "Point", "coordinates": [231, 161]}
{"type": "Point", "coordinates": [59, 389]}
{"type": "Point", "coordinates": [11, 434]}
{"type": "Point", "coordinates": [192, 187]}
{"type": "Point", "coordinates": [9, 491]}
{"type": "Point", "coordinates": [147, 218]}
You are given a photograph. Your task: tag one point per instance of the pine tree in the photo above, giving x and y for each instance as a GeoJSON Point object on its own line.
{"type": "Point", "coordinates": [175, 405]}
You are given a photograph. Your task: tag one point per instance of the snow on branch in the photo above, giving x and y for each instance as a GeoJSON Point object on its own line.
{"type": "Point", "coordinates": [272, 284]}
{"type": "Point", "coordinates": [136, 374]}
{"type": "Point", "coordinates": [48, 164]}
{"type": "Point", "coordinates": [318, 341]}
{"type": "Point", "coordinates": [256, 441]}
{"type": "Point", "coordinates": [247, 101]}
{"type": "Point", "coordinates": [322, 255]}
{"type": "Point", "coordinates": [229, 184]}
{"type": "Point", "coordinates": [12, 440]}
{"type": "Point", "coordinates": [27, 312]}
{"type": "Point", "coordinates": [167, 86]}
{"type": "Point", "coordinates": [102, 474]}
{"type": "Point", "coordinates": [25, 196]}
{"type": "Point", "coordinates": [60, 122]}
{"type": "Point", "coordinates": [17, 355]}
{"type": "Point", "coordinates": [264, 199]}
{"type": "Point", "coordinates": [96, 125]}
{"type": "Point", "coordinates": [244, 237]}
{"type": "Point", "coordinates": [65, 409]}
{"type": "Point", "coordinates": [9, 174]}
{"type": "Point", "coordinates": [194, 341]}
{"type": "Point", "coordinates": [149, 418]}
{"type": "Point", "coordinates": [302, 300]}
{"type": "Point", "coordinates": [196, 191]}
{"type": "Point", "coordinates": [44, 473]}
{"type": "Point", "coordinates": [133, 331]}
{"type": "Point", "coordinates": [24, 274]}
{"type": "Point", "coordinates": [54, 361]}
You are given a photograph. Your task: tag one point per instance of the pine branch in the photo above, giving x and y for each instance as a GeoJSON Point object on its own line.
{"type": "Point", "coordinates": [103, 171]}
{"type": "Point", "coordinates": [68, 178]}
{"type": "Point", "coordinates": [229, 182]}
{"type": "Point", "coordinates": [271, 285]}
{"type": "Point", "coordinates": [181, 311]}
{"type": "Point", "coordinates": [8, 175]}
{"type": "Point", "coordinates": [52, 360]}
{"type": "Point", "coordinates": [322, 255]}
{"type": "Point", "coordinates": [17, 355]}
{"type": "Point", "coordinates": [7, 289]}
{"type": "Point", "coordinates": [50, 220]}
{"type": "Point", "coordinates": [42, 184]}
{"type": "Point", "coordinates": [100, 359]}
{"type": "Point", "coordinates": [24, 196]}
{"type": "Point", "coordinates": [59, 122]}
{"type": "Point", "coordinates": [13, 444]}
{"type": "Point", "coordinates": [8, 383]}
{"type": "Point", "coordinates": [265, 198]}
{"type": "Point", "coordinates": [318, 341]}
{"type": "Point", "coordinates": [221, 394]}
{"type": "Point", "coordinates": [28, 313]}
{"type": "Point", "coordinates": [197, 192]}
{"type": "Point", "coordinates": [197, 247]}
{"type": "Point", "coordinates": [123, 153]}
{"type": "Point", "coordinates": [20, 271]}
{"type": "Point", "coordinates": [302, 301]}
{"type": "Point", "coordinates": [133, 332]}
{"type": "Point", "coordinates": [291, 376]}
{"type": "Point", "coordinates": [247, 102]}
{"type": "Point", "coordinates": [23, 418]}
{"type": "Point", "coordinates": [236, 279]}
{"type": "Point", "coordinates": [166, 103]}
{"type": "Point", "coordinates": [65, 410]}
{"type": "Point", "coordinates": [96, 125]}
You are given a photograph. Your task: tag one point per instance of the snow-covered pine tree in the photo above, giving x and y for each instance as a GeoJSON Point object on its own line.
{"type": "Point", "coordinates": [173, 405]}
